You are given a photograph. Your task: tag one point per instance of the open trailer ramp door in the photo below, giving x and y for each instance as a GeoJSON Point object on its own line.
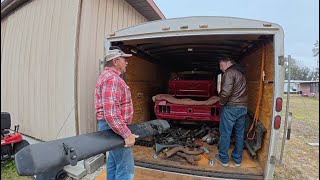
{"type": "Point", "coordinates": [216, 37]}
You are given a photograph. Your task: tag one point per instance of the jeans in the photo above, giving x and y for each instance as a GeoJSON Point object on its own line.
{"type": "Point", "coordinates": [120, 163]}
{"type": "Point", "coordinates": [232, 118]}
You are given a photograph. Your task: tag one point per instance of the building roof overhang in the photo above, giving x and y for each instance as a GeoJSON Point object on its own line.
{"type": "Point", "coordinates": [145, 7]}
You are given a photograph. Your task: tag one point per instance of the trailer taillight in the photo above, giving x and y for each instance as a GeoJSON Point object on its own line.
{"type": "Point", "coordinates": [277, 122]}
{"type": "Point", "coordinates": [278, 104]}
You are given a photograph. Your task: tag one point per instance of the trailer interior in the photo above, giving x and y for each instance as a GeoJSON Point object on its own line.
{"type": "Point", "coordinates": [148, 73]}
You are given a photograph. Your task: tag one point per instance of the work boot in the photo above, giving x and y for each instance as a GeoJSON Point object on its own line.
{"type": "Point", "coordinates": [237, 165]}
{"type": "Point", "coordinates": [219, 161]}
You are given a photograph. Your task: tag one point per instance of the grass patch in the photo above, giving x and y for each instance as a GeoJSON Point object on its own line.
{"type": "Point", "coordinates": [8, 172]}
{"type": "Point", "coordinates": [300, 160]}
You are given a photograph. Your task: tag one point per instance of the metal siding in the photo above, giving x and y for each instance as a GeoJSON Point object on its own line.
{"type": "Point", "coordinates": [130, 16]}
{"type": "Point", "coordinates": [3, 32]}
{"type": "Point", "coordinates": [91, 49]}
{"type": "Point", "coordinates": [37, 69]}
{"type": "Point", "coordinates": [115, 14]}
{"type": "Point", "coordinates": [143, 6]}
{"type": "Point", "coordinates": [120, 14]}
{"type": "Point", "coordinates": [125, 14]}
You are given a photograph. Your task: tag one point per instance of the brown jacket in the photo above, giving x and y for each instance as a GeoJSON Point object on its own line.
{"type": "Point", "coordinates": [233, 87]}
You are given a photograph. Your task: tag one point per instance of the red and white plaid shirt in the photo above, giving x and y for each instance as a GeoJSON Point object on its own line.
{"type": "Point", "coordinates": [113, 101]}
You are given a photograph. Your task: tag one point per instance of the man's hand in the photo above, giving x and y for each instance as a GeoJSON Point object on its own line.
{"type": "Point", "coordinates": [130, 140]}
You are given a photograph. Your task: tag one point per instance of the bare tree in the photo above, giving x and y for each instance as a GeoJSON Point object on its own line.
{"type": "Point", "coordinates": [297, 70]}
{"type": "Point", "coordinates": [315, 50]}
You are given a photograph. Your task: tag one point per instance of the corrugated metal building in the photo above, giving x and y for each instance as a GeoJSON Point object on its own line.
{"type": "Point", "coordinates": [50, 53]}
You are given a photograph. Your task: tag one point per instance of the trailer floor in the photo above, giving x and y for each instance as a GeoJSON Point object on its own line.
{"type": "Point", "coordinates": [250, 168]}
{"type": "Point", "coordinates": [146, 167]}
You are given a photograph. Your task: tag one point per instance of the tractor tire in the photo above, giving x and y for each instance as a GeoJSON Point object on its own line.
{"type": "Point", "coordinates": [18, 146]}
{"type": "Point", "coordinates": [6, 152]}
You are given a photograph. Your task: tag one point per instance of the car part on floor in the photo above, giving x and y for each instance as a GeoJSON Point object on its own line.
{"type": "Point", "coordinates": [255, 144]}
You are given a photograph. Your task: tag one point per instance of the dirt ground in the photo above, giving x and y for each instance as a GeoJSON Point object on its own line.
{"type": "Point", "coordinates": [300, 160]}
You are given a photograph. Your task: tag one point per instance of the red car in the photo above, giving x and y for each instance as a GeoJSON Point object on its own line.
{"type": "Point", "coordinates": [196, 85]}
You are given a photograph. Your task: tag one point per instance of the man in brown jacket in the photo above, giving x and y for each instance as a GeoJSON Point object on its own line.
{"type": "Point", "coordinates": [233, 99]}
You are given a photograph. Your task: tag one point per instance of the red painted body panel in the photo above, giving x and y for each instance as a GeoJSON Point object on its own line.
{"type": "Point", "coordinates": [11, 138]}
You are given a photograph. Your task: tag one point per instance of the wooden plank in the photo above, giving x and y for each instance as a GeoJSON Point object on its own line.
{"type": "Point", "coordinates": [248, 165]}
{"type": "Point", "coordinates": [142, 86]}
{"type": "Point", "coordinates": [269, 62]}
{"type": "Point", "coordinates": [146, 174]}
{"type": "Point", "coordinates": [251, 63]}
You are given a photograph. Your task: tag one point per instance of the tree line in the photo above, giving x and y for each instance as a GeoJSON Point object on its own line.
{"type": "Point", "coordinates": [299, 72]}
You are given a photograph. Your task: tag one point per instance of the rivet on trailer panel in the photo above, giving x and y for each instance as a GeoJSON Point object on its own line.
{"type": "Point", "coordinates": [184, 27]}
{"type": "Point", "coordinates": [203, 26]}
{"type": "Point", "coordinates": [166, 28]}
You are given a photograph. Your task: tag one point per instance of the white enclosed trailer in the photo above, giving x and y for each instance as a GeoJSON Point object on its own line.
{"type": "Point", "coordinates": [197, 43]}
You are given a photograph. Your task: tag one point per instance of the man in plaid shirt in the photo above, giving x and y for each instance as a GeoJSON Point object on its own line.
{"type": "Point", "coordinates": [114, 110]}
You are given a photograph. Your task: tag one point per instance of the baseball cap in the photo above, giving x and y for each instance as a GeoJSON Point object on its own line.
{"type": "Point", "coordinates": [112, 54]}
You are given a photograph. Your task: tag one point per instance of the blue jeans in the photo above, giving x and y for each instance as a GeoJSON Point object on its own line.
{"type": "Point", "coordinates": [232, 118]}
{"type": "Point", "coordinates": [120, 163]}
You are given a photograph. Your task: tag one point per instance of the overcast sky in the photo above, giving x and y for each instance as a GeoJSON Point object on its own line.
{"type": "Point", "coordinates": [298, 18]}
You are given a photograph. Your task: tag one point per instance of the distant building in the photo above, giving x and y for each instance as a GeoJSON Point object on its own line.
{"type": "Point", "coordinates": [305, 88]}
